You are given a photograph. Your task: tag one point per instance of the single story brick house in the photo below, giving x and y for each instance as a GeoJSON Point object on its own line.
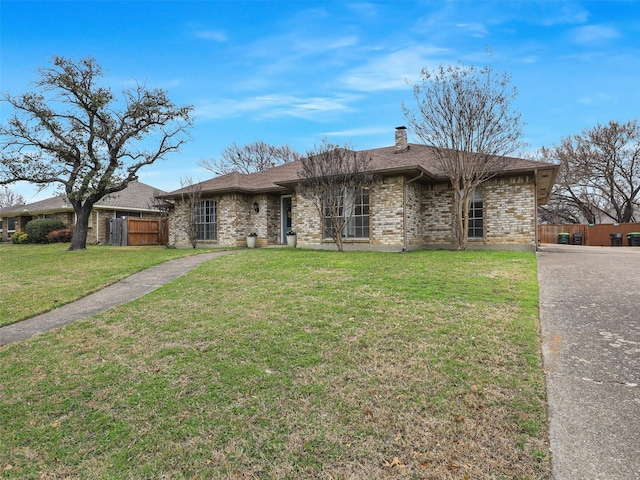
{"type": "Point", "coordinates": [409, 206]}
{"type": "Point", "coordinates": [136, 200]}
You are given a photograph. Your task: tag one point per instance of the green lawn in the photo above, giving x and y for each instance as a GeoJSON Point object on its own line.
{"type": "Point", "coordinates": [37, 278]}
{"type": "Point", "coordinates": [282, 363]}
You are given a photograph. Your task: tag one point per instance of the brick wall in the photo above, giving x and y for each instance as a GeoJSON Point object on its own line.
{"type": "Point", "coordinates": [509, 212]}
{"type": "Point", "coordinates": [307, 222]}
{"type": "Point", "coordinates": [236, 219]}
{"type": "Point", "coordinates": [414, 216]}
{"type": "Point", "coordinates": [438, 215]}
{"type": "Point", "coordinates": [387, 215]}
{"type": "Point", "coordinates": [272, 217]}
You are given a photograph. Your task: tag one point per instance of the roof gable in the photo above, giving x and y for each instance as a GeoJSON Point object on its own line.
{"type": "Point", "coordinates": [136, 196]}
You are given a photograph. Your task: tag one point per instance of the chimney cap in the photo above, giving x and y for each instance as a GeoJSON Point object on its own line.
{"type": "Point", "coordinates": [402, 127]}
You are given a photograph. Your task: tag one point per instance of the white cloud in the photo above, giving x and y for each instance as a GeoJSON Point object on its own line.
{"type": "Point", "coordinates": [368, 10]}
{"type": "Point", "coordinates": [594, 33]}
{"type": "Point", "coordinates": [215, 35]}
{"type": "Point", "coordinates": [477, 30]}
{"type": "Point", "coordinates": [359, 132]}
{"type": "Point", "coordinates": [565, 14]}
{"type": "Point", "coordinates": [594, 99]}
{"type": "Point", "coordinates": [392, 71]}
{"type": "Point", "coordinates": [530, 59]}
{"type": "Point", "coordinates": [276, 106]}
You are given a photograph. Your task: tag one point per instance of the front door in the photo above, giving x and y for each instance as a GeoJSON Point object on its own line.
{"type": "Point", "coordinates": [287, 218]}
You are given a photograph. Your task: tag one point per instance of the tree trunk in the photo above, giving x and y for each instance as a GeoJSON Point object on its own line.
{"type": "Point", "coordinates": [460, 237]}
{"type": "Point", "coordinates": [337, 233]}
{"type": "Point", "coordinates": [462, 206]}
{"type": "Point", "coordinates": [80, 231]}
{"type": "Point", "coordinates": [466, 205]}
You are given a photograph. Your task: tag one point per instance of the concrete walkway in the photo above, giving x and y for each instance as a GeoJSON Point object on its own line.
{"type": "Point", "coordinates": [129, 289]}
{"type": "Point", "coordinates": [590, 314]}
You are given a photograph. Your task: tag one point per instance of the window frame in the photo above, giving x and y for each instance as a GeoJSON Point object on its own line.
{"type": "Point", "coordinates": [359, 225]}
{"type": "Point", "coordinates": [205, 220]}
{"type": "Point", "coordinates": [476, 217]}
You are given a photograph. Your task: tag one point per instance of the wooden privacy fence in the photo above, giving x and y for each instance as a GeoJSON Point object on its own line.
{"type": "Point", "coordinates": [135, 231]}
{"type": "Point", "coordinates": [595, 236]}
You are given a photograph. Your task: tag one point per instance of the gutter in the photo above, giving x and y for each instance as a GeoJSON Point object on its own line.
{"type": "Point", "coordinates": [404, 210]}
{"type": "Point", "coordinates": [535, 208]}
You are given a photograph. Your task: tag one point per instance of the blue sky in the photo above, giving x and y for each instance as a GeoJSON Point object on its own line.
{"type": "Point", "coordinates": [294, 72]}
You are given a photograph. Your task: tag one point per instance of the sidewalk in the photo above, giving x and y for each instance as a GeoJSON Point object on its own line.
{"type": "Point", "coordinates": [129, 289]}
{"type": "Point", "coordinates": [590, 317]}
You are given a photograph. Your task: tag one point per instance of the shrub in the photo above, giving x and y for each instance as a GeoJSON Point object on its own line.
{"type": "Point", "coordinates": [19, 237]}
{"type": "Point", "coordinates": [59, 236]}
{"type": "Point", "coordinates": [39, 229]}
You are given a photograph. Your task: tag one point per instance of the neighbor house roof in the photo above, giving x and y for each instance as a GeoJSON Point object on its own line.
{"type": "Point", "coordinates": [414, 160]}
{"type": "Point", "coordinates": [136, 196]}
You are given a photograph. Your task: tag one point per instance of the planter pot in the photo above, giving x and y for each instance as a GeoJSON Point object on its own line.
{"type": "Point", "coordinates": [292, 240]}
{"type": "Point", "coordinates": [251, 242]}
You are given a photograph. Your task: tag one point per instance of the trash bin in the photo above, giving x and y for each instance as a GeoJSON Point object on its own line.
{"type": "Point", "coordinates": [616, 239]}
{"type": "Point", "coordinates": [633, 238]}
{"type": "Point", "coordinates": [563, 238]}
{"type": "Point", "coordinates": [577, 239]}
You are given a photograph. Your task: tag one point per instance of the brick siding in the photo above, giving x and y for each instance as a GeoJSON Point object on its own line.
{"type": "Point", "coordinates": [509, 214]}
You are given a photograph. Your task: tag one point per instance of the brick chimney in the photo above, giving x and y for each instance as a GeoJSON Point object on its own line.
{"type": "Point", "coordinates": [401, 140]}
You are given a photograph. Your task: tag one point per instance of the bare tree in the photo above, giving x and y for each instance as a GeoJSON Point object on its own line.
{"type": "Point", "coordinates": [335, 179]}
{"type": "Point", "coordinates": [9, 198]}
{"type": "Point", "coordinates": [467, 113]}
{"type": "Point", "coordinates": [71, 132]}
{"type": "Point", "coordinates": [190, 201]}
{"type": "Point", "coordinates": [255, 157]}
{"type": "Point", "coordinates": [599, 174]}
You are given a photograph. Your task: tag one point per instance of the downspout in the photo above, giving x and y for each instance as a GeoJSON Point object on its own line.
{"type": "Point", "coordinates": [404, 210]}
{"type": "Point", "coordinates": [535, 201]}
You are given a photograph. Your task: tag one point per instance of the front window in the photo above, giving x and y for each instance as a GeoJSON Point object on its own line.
{"type": "Point", "coordinates": [125, 214]}
{"type": "Point", "coordinates": [476, 221]}
{"type": "Point", "coordinates": [206, 220]}
{"type": "Point", "coordinates": [354, 210]}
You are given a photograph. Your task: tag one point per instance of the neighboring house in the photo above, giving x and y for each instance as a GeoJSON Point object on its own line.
{"type": "Point", "coordinates": [409, 206]}
{"type": "Point", "coordinates": [137, 200]}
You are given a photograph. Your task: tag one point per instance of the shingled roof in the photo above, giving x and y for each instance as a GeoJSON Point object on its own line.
{"type": "Point", "coordinates": [137, 196]}
{"type": "Point", "coordinates": [413, 160]}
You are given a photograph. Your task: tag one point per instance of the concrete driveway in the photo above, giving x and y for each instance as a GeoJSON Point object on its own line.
{"type": "Point", "coordinates": [590, 314]}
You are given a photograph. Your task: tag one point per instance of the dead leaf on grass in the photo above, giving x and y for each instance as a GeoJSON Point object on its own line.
{"type": "Point", "coordinates": [393, 463]}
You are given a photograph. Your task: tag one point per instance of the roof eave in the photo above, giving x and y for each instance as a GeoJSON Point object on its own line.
{"type": "Point", "coordinates": [412, 170]}
{"type": "Point", "coordinates": [226, 190]}
{"type": "Point", "coordinates": [545, 178]}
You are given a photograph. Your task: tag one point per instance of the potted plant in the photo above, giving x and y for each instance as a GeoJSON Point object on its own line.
{"type": "Point", "coordinates": [251, 240]}
{"type": "Point", "coordinates": [292, 238]}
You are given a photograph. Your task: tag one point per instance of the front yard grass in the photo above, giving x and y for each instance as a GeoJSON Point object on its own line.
{"type": "Point", "coordinates": [37, 278]}
{"type": "Point", "coordinates": [282, 363]}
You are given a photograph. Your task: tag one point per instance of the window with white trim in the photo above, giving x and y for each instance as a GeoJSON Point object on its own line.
{"type": "Point", "coordinates": [355, 206]}
{"type": "Point", "coordinates": [124, 214]}
{"type": "Point", "coordinates": [206, 220]}
{"type": "Point", "coordinates": [476, 219]}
